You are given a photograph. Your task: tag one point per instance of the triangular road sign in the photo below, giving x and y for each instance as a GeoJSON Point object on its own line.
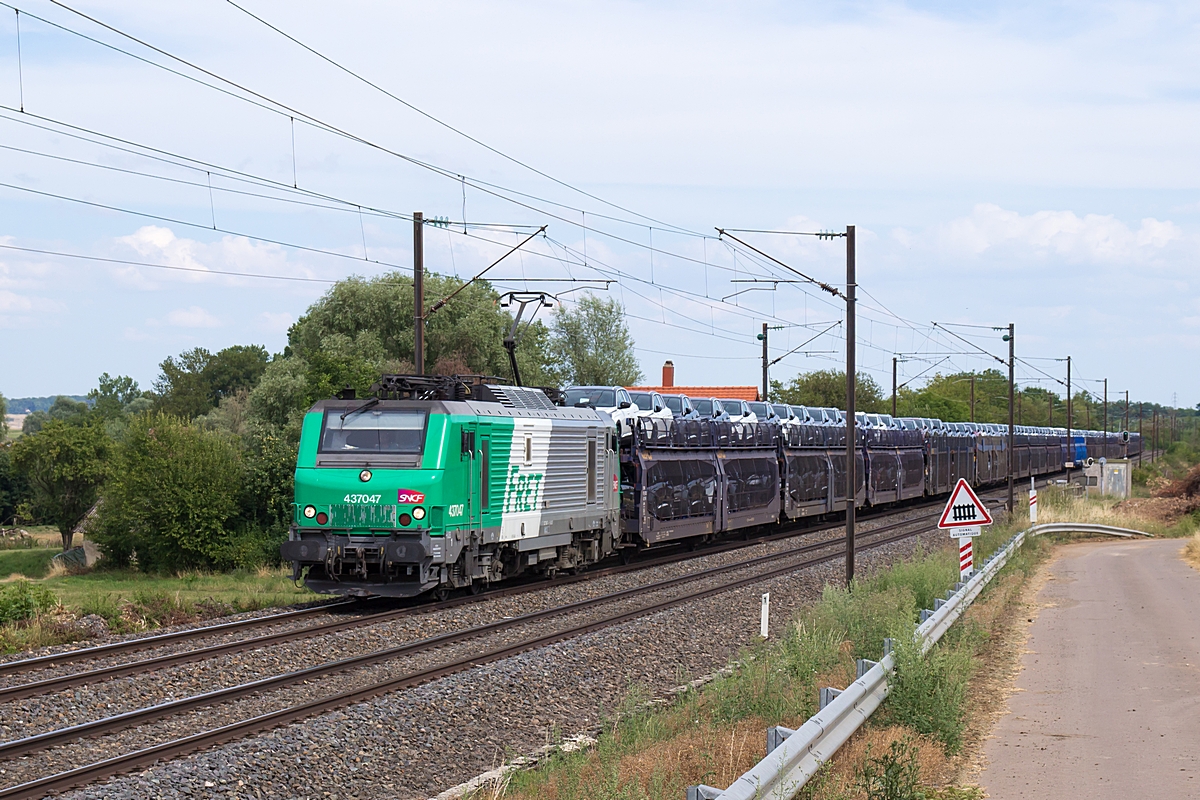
{"type": "Point", "coordinates": [964, 509]}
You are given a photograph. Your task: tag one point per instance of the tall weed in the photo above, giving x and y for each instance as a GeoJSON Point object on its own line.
{"type": "Point", "coordinates": [928, 691]}
{"type": "Point", "coordinates": [864, 617]}
{"type": "Point", "coordinates": [23, 600]}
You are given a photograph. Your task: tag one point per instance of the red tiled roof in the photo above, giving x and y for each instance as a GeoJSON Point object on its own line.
{"type": "Point", "coordinates": [727, 392]}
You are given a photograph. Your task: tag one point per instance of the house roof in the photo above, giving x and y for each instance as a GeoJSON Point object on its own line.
{"type": "Point", "coordinates": [729, 392]}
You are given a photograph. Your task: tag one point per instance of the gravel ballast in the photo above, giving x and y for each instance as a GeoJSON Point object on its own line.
{"type": "Point", "coordinates": [418, 742]}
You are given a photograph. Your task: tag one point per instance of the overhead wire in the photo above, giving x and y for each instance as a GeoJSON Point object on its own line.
{"type": "Point", "coordinates": [445, 124]}
{"type": "Point", "coordinates": [267, 104]}
{"type": "Point", "coordinates": [285, 110]}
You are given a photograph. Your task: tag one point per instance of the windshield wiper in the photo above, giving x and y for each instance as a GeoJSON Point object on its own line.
{"type": "Point", "coordinates": [363, 407]}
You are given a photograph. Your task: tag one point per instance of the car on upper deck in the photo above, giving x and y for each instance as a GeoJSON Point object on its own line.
{"type": "Point", "coordinates": [613, 400]}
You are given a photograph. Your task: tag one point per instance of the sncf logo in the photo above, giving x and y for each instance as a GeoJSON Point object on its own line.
{"type": "Point", "coordinates": [409, 496]}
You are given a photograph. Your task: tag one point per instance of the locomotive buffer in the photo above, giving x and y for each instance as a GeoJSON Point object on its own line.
{"type": "Point", "coordinates": [964, 517]}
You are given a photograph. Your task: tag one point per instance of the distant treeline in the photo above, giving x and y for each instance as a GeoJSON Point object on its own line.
{"type": "Point", "coordinates": [28, 405]}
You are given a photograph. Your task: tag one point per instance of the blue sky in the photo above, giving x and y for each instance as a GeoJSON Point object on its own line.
{"type": "Point", "coordinates": [1026, 163]}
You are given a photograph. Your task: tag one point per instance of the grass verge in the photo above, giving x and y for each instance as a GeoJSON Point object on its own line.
{"type": "Point", "coordinates": [129, 601]}
{"type": "Point", "coordinates": [715, 734]}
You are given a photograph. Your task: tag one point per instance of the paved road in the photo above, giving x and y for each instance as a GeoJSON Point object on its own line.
{"type": "Point", "coordinates": [1109, 700]}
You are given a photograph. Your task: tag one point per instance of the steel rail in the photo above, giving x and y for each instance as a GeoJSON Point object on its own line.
{"type": "Point", "coordinates": [171, 749]}
{"type": "Point", "coordinates": [42, 741]}
{"type": "Point", "coordinates": [146, 642]}
{"type": "Point", "coordinates": [18, 691]}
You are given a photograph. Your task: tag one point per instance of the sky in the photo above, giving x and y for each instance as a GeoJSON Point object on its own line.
{"type": "Point", "coordinates": [1025, 163]}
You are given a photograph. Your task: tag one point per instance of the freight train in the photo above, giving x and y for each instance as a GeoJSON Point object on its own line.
{"type": "Point", "coordinates": [441, 483]}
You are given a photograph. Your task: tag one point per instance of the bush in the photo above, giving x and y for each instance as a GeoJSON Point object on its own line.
{"type": "Point", "coordinates": [895, 775]}
{"type": "Point", "coordinates": [928, 691]}
{"type": "Point", "coordinates": [173, 499]}
{"type": "Point", "coordinates": [25, 600]}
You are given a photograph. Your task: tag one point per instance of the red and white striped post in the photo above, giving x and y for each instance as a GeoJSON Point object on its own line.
{"type": "Point", "coordinates": [965, 557]}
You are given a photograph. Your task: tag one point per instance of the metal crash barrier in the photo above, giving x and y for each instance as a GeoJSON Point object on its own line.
{"type": "Point", "coordinates": [793, 757]}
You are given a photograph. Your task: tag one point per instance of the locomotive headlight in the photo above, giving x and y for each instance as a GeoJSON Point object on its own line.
{"type": "Point", "coordinates": [365, 475]}
{"type": "Point", "coordinates": [418, 513]}
{"type": "Point", "coordinates": [310, 512]}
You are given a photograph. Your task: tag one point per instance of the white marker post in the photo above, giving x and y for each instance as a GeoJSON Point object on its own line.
{"type": "Point", "coordinates": [1032, 503]}
{"type": "Point", "coordinates": [766, 615]}
{"type": "Point", "coordinates": [964, 517]}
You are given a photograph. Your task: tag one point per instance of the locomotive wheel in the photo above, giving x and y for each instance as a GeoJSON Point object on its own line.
{"type": "Point", "coordinates": [477, 586]}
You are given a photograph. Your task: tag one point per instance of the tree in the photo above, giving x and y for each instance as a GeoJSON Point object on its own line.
{"type": "Point", "coordinates": [173, 498]}
{"type": "Point", "coordinates": [14, 487]}
{"type": "Point", "coordinates": [63, 409]}
{"type": "Point", "coordinates": [470, 328]}
{"type": "Point", "coordinates": [3, 418]}
{"type": "Point", "coordinates": [111, 398]}
{"type": "Point", "coordinates": [826, 388]}
{"type": "Point", "coordinates": [194, 383]}
{"type": "Point", "coordinates": [65, 465]}
{"type": "Point", "coordinates": [591, 344]}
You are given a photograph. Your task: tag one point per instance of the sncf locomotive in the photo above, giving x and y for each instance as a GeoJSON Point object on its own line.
{"type": "Point", "coordinates": [441, 483]}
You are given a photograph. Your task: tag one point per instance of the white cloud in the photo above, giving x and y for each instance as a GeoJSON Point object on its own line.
{"type": "Point", "coordinates": [13, 303]}
{"type": "Point", "coordinates": [1091, 238]}
{"type": "Point", "coordinates": [272, 321]}
{"type": "Point", "coordinates": [159, 245]}
{"type": "Point", "coordinates": [193, 317]}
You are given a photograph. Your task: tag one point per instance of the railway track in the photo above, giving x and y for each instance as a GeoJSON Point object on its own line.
{"type": "Point", "coordinates": [777, 564]}
{"type": "Point", "coordinates": [794, 559]}
{"type": "Point", "coordinates": [59, 660]}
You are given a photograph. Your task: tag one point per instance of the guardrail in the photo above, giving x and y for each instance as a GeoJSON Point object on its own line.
{"type": "Point", "coordinates": [793, 757]}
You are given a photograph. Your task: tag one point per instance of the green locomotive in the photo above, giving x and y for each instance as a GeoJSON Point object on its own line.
{"type": "Point", "coordinates": [444, 483]}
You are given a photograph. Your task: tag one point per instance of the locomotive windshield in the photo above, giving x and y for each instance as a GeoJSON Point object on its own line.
{"type": "Point", "coordinates": [374, 430]}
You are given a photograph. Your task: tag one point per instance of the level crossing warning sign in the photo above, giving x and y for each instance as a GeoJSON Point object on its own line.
{"type": "Point", "coordinates": [964, 517]}
{"type": "Point", "coordinates": [964, 510]}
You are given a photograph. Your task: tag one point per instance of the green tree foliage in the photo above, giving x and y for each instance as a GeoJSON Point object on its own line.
{"type": "Point", "coordinates": [193, 383]}
{"type": "Point", "coordinates": [14, 486]}
{"type": "Point", "coordinates": [65, 464]}
{"type": "Point", "coordinates": [591, 344]}
{"type": "Point", "coordinates": [363, 327]}
{"type": "Point", "coordinates": [826, 388]}
{"type": "Point", "coordinates": [470, 328]}
{"type": "Point", "coordinates": [64, 409]}
{"type": "Point", "coordinates": [268, 477]}
{"type": "Point", "coordinates": [174, 497]}
{"type": "Point", "coordinates": [3, 418]}
{"type": "Point", "coordinates": [113, 395]}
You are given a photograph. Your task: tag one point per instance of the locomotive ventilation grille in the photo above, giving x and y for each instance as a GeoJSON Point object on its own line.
{"type": "Point", "coordinates": [522, 397]}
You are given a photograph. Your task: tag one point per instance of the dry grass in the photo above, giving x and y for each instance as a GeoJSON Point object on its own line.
{"type": "Point", "coordinates": [1163, 517]}
{"type": "Point", "coordinates": [1191, 551]}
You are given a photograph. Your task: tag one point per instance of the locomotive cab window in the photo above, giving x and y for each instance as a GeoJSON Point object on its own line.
{"type": "Point", "coordinates": [375, 430]}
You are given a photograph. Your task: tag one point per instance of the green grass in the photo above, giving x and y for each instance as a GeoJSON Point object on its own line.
{"type": "Point", "coordinates": [31, 562]}
{"type": "Point", "coordinates": [713, 735]}
{"type": "Point", "coordinates": [131, 599]}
